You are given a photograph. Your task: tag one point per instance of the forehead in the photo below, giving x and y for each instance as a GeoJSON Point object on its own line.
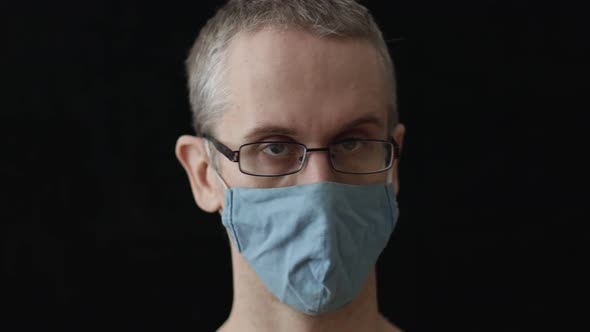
{"type": "Point", "coordinates": [312, 85]}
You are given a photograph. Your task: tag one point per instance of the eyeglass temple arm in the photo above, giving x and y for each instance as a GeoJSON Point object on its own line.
{"type": "Point", "coordinates": [227, 152]}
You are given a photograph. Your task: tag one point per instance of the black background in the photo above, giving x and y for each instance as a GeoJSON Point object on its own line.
{"type": "Point", "coordinates": [101, 231]}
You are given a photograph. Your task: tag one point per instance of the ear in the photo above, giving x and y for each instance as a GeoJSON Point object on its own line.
{"type": "Point", "coordinates": [398, 135]}
{"type": "Point", "coordinates": [192, 154]}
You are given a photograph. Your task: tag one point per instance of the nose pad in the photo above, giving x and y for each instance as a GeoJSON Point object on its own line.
{"type": "Point", "coordinates": [317, 168]}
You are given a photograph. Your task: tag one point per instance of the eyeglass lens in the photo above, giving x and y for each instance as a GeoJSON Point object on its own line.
{"type": "Point", "coordinates": [278, 158]}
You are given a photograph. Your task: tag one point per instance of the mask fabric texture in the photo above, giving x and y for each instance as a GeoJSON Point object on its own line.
{"type": "Point", "coordinates": [312, 245]}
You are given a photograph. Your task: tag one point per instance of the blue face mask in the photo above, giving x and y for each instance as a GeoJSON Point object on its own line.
{"type": "Point", "coordinates": [312, 245]}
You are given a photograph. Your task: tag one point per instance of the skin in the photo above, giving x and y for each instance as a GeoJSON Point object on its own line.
{"type": "Point", "coordinates": [292, 85]}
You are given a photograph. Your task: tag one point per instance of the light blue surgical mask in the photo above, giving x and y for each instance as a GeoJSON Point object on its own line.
{"type": "Point", "coordinates": [312, 245]}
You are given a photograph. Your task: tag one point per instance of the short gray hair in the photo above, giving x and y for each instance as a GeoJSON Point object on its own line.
{"type": "Point", "coordinates": [325, 18]}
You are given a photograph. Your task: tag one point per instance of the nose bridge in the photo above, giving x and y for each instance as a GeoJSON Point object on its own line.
{"type": "Point", "coordinates": [317, 167]}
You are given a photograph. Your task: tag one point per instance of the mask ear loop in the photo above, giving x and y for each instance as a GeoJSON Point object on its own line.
{"type": "Point", "coordinates": [390, 176]}
{"type": "Point", "coordinates": [225, 186]}
{"type": "Point", "coordinates": [390, 173]}
{"type": "Point", "coordinates": [391, 170]}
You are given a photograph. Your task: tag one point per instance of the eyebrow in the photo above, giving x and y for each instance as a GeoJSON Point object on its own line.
{"type": "Point", "coordinates": [369, 119]}
{"type": "Point", "coordinates": [265, 130]}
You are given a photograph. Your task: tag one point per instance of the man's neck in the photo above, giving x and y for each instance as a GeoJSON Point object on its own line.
{"type": "Point", "coordinates": [256, 309]}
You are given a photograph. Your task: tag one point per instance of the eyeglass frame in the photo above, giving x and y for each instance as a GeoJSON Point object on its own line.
{"type": "Point", "coordinates": [234, 155]}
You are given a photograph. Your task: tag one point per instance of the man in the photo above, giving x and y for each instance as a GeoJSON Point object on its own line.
{"type": "Point", "coordinates": [297, 148]}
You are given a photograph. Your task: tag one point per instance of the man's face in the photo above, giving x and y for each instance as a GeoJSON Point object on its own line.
{"type": "Point", "coordinates": [291, 85]}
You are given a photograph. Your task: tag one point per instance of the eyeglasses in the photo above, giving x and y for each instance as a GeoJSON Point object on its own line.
{"type": "Point", "coordinates": [279, 158]}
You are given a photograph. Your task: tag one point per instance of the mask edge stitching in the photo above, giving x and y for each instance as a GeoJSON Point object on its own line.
{"type": "Point", "coordinates": [231, 221]}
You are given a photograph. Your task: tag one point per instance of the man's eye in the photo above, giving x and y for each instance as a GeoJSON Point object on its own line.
{"type": "Point", "coordinates": [350, 145]}
{"type": "Point", "coordinates": [276, 149]}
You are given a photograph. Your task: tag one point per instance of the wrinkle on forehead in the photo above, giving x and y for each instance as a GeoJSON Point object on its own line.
{"type": "Point", "coordinates": [292, 77]}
